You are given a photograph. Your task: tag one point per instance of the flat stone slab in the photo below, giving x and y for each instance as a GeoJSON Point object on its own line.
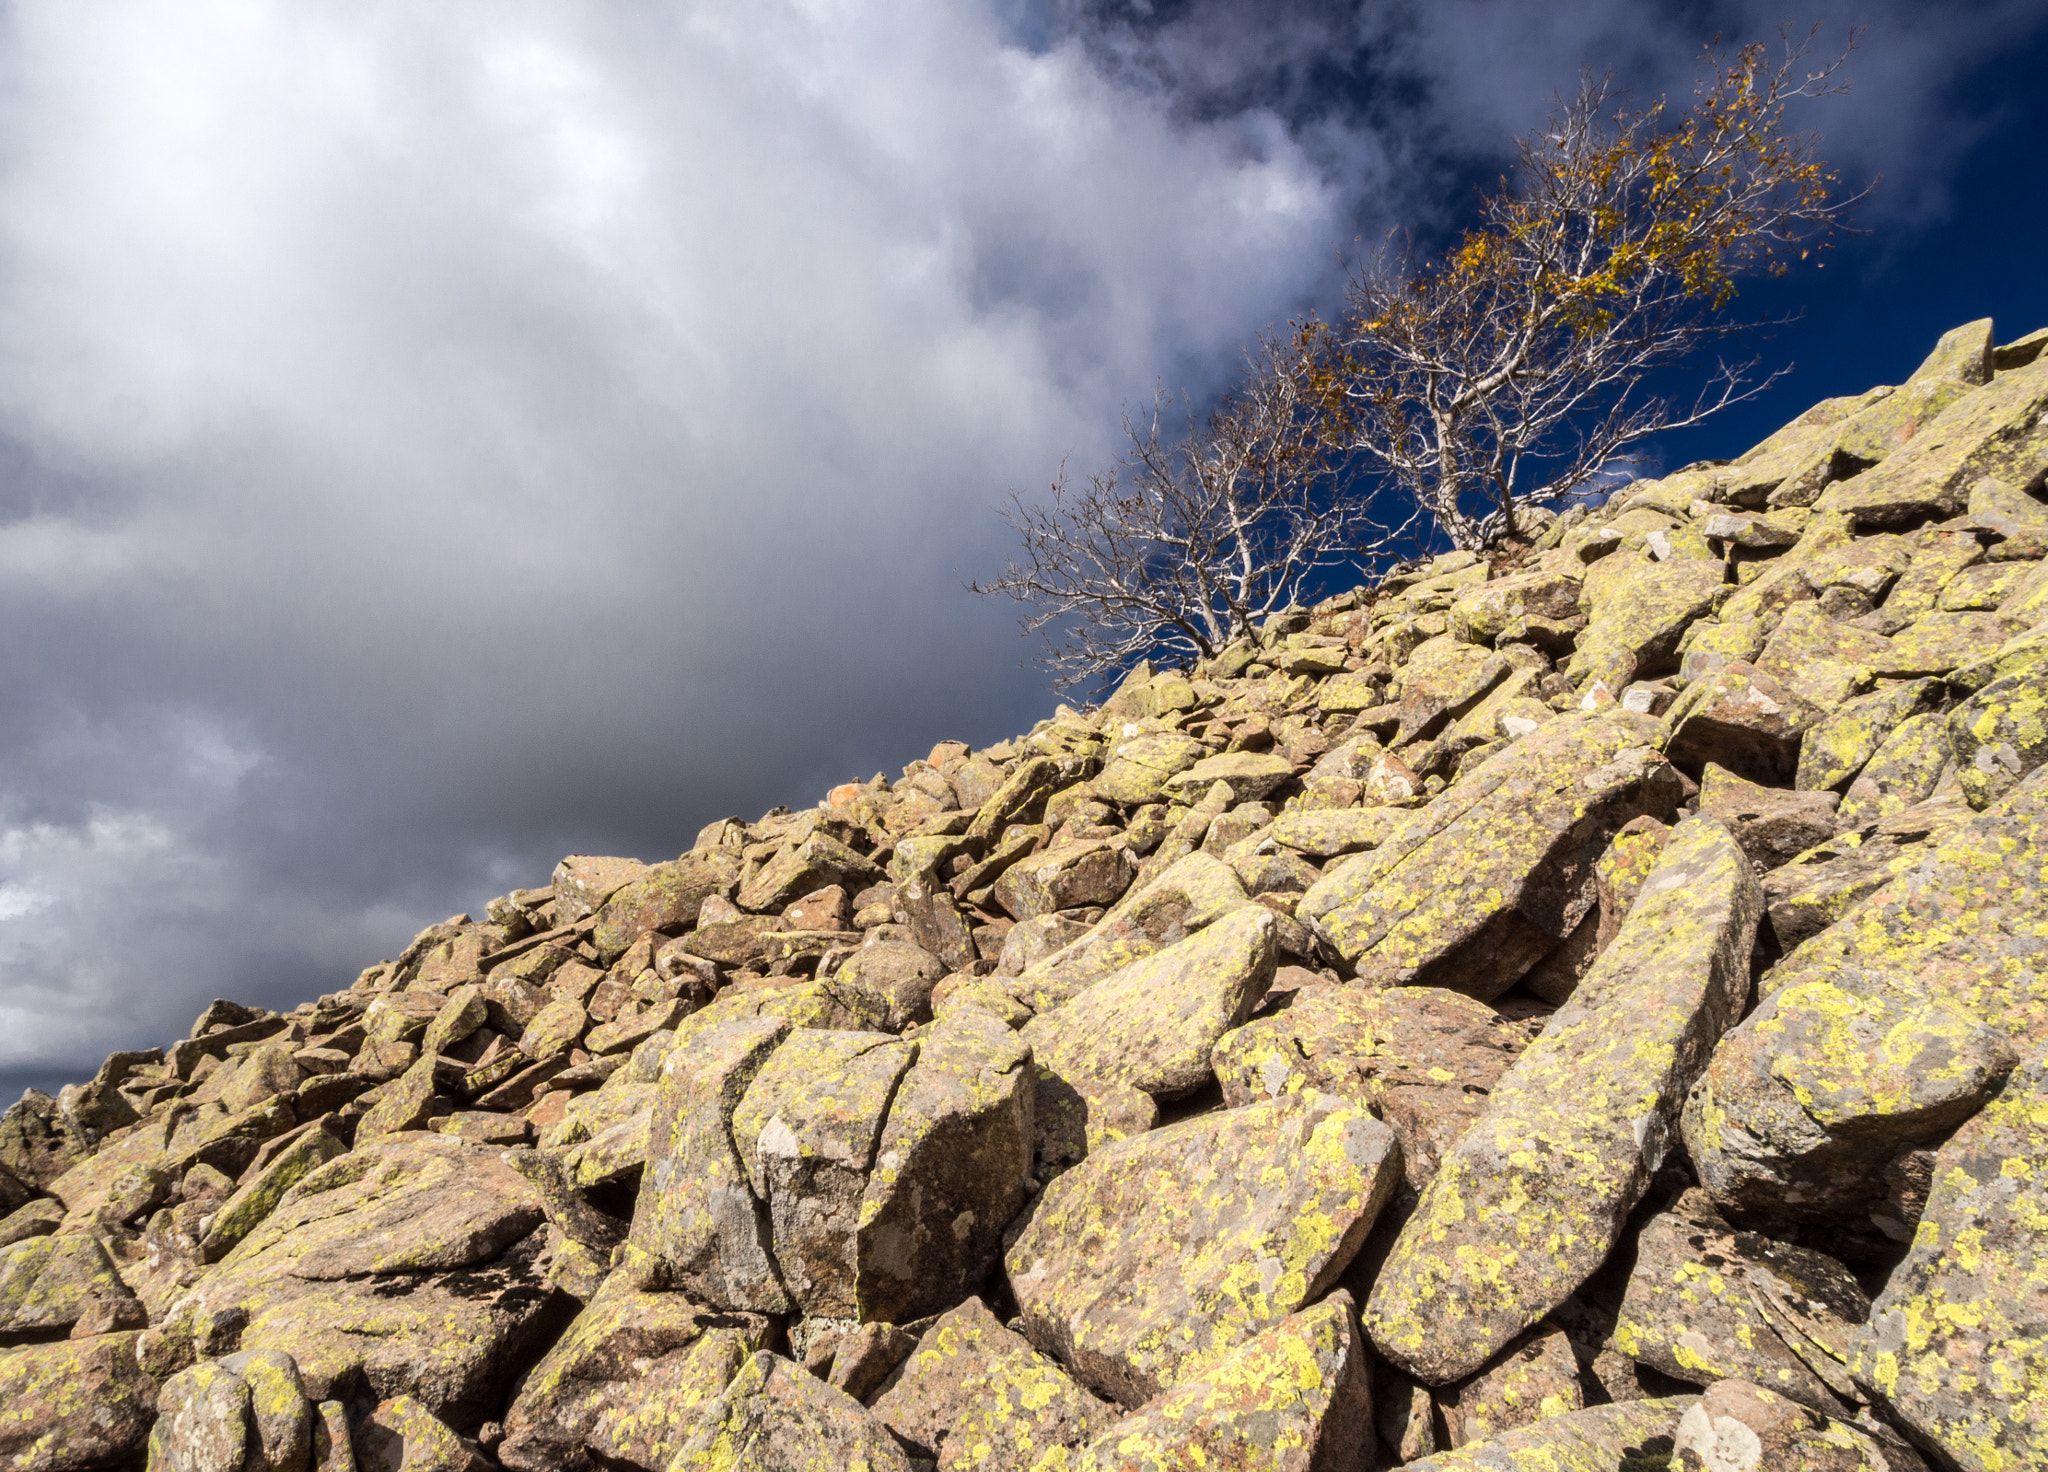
{"type": "Point", "coordinates": [1533, 1197]}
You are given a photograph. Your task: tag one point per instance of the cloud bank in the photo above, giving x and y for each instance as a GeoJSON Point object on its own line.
{"type": "Point", "coordinates": [437, 438]}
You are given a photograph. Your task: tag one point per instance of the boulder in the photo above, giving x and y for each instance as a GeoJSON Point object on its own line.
{"type": "Point", "coordinates": [1533, 1379]}
{"type": "Point", "coordinates": [1532, 1198]}
{"type": "Point", "coordinates": [1421, 1058]}
{"type": "Point", "coordinates": [74, 1405]}
{"type": "Point", "coordinates": [1706, 1302]}
{"type": "Point", "coordinates": [1769, 824]}
{"type": "Point", "coordinates": [1185, 896]}
{"type": "Point", "coordinates": [666, 897]}
{"type": "Point", "coordinates": [1843, 742]}
{"type": "Point", "coordinates": [624, 1383]}
{"type": "Point", "coordinates": [1738, 1427]}
{"type": "Point", "coordinates": [402, 1435]}
{"type": "Point", "coordinates": [806, 1130]}
{"type": "Point", "coordinates": [246, 1413]}
{"type": "Point", "coordinates": [1155, 1256]}
{"type": "Point", "coordinates": [974, 1394]}
{"type": "Point", "coordinates": [819, 860]}
{"type": "Point", "coordinates": [1152, 1023]}
{"type": "Point", "coordinates": [2000, 430]}
{"type": "Point", "coordinates": [951, 1170]}
{"type": "Point", "coordinates": [1139, 766]}
{"type": "Point", "coordinates": [583, 882]}
{"type": "Point", "coordinates": [1300, 1393]}
{"type": "Point", "coordinates": [1092, 871]}
{"type": "Point", "coordinates": [405, 1267]}
{"type": "Point", "coordinates": [1903, 771]}
{"type": "Point", "coordinates": [1740, 718]}
{"type": "Point", "coordinates": [48, 1284]}
{"type": "Point", "coordinates": [1999, 735]}
{"type": "Point", "coordinates": [1611, 1438]}
{"type": "Point", "coordinates": [1823, 884]}
{"type": "Point", "coordinates": [895, 979]}
{"type": "Point", "coordinates": [777, 1417]}
{"type": "Point", "coordinates": [1250, 775]}
{"type": "Point", "coordinates": [1956, 1347]}
{"type": "Point", "coordinates": [1637, 620]}
{"type": "Point", "coordinates": [1889, 1027]}
{"type": "Point", "coordinates": [1477, 887]}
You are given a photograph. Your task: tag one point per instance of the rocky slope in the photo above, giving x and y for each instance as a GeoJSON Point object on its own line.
{"type": "Point", "coordinates": [1579, 1010]}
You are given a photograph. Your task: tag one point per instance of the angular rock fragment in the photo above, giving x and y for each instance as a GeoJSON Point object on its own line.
{"type": "Point", "coordinates": [1299, 1393]}
{"type": "Point", "coordinates": [1739, 1427]}
{"type": "Point", "coordinates": [1903, 771]}
{"type": "Point", "coordinates": [974, 1394]}
{"type": "Point", "coordinates": [1625, 1437]}
{"type": "Point", "coordinates": [1696, 1308]}
{"type": "Point", "coordinates": [1770, 824]}
{"type": "Point", "coordinates": [1533, 1379]}
{"type": "Point", "coordinates": [1421, 1058]}
{"type": "Point", "coordinates": [950, 1172]}
{"type": "Point", "coordinates": [1481, 884]}
{"type": "Point", "coordinates": [78, 1404]}
{"type": "Point", "coordinates": [48, 1284]}
{"type": "Point", "coordinates": [697, 1226]}
{"type": "Point", "coordinates": [777, 1417]}
{"type": "Point", "coordinates": [624, 1383]}
{"type": "Point", "coordinates": [1154, 1257]}
{"type": "Point", "coordinates": [1637, 620]}
{"type": "Point", "coordinates": [1743, 719]}
{"type": "Point", "coordinates": [1999, 735]}
{"type": "Point", "coordinates": [1151, 1025]}
{"type": "Point", "coordinates": [1957, 1343]}
{"type": "Point", "coordinates": [1533, 1196]}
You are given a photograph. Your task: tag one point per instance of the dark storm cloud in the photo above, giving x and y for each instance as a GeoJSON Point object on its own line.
{"type": "Point", "coordinates": [434, 439]}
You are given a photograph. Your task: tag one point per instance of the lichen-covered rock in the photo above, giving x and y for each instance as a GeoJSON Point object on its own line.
{"type": "Point", "coordinates": [1534, 1378]}
{"type": "Point", "coordinates": [78, 1404]}
{"type": "Point", "coordinates": [1297, 1398]}
{"type": "Point", "coordinates": [583, 882]}
{"type": "Point", "coordinates": [1187, 895]}
{"type": "Point", "coordinates": [1957, 1343]}
{"type": "Point", "coordinates": [1738, 1427]}
{"type": "Point", "coordinates": [806, 1130]}
{"type": "Point", "coordinates": [1637, 620]}
{"type": "Point", "coordinates": [974, 1394]}
{"type": "Point", "coordinates": [1706, 1302]}
{"type": "Point", "coordinates": [1770, 824]}
{"type": "Point", "coordinates": [1477, 887]}
{"type": "Point", "coordinates": [50, 1283]}
{"type": "Point", "coordinates": [1091, 871]}
{"type": "Point", "coordinates": [777, 1417]}
{"type": "Point", "coordinates": [1421, 1058]}
{"type": "Point", "coordinates": [1632, 1436]}
{"type": "Point", "coordinates": [624, 1383]}
{"type": "Point", "coordinates": [819, 860]}
{"type": "Point", "coordinates": [1843, 742]}
{"type": "Point", "coordinates": [1155, 1256]}
{"type": "Point", "coordinates": [1534, 1195]}
{"type": "Point", "coordinates": [1820, 886]}
{"type": "Point", "coordinates": [1139, 766]}
{"type": "Point", "coordinates": [1999, 735]}
{"type": "Point", "coordinates": [698, 1226]}
{"type": "Point", "coordinates": [665, 897]}
{"type": "Point", "coordinates": [1151, 1025]}
{"type": "Point", "coordinates": [1902, 771]}
{"type": "Point", "coordinates": [897, 978]}
{"type": "Point", "coordinates": [1888, 1028]}
{"type": "Point", "coordinates": [950, 1171]}
{"type": "Point", "coordinates": [405, 1267]}
{"type": "Point", "coordinates": [402, 1435]}
{"type": "Point", "coordinates": [1743, 719]}
{"type": "Point", "coordinates": [1812, 1098]}
{"type": "Point", "coordinates": [246, 1413]}
{"type": "Point", "coordinates": [2000, 430]}
{"type": "Point", "coordinates": [1250, 775]}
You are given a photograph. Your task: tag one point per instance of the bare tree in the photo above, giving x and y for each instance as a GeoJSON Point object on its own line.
{"type": "Point", "coordinates": [1186, 543]}
{"type": "Point", "coordinates": [1515, 369]}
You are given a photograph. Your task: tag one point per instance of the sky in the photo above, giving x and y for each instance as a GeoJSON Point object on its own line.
{"type": "Point", "coordinates": [436, 439]}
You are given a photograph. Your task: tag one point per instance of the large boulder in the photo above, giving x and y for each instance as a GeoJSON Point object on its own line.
{"type": "Point", "coordinates": [1421, 1058]}
{"type": "Point", "coordinates": [1300, 1393]}
{"type": "Point", "coordinates": [1957, 1343]}
{"type": "Point", "coordinates": [1638, 619]}
{"type": "Point", "coordinates": [776, 1416]}
{"type": "Point", "coordinates": [665, 897]}
{"type": "Point", "coordinates": [623, 1385]}
{"type": "Point", "coordinates": [1706, 1302]}
{"type": "Point", "coordinates": [1624, 1437]}
{"type": "Point", "coordinates": [246, 1413]}
{"type": "Point", "coordinates": [1480, 885]}
{"type": "Point", "coordinates": [1155, 1256]}
{"type": "Point", "coordinates": [406, 1267]}
{"type": "Point", "coordinates": [974, 1394]}
{"type": "Point", "coordinates": [1739, 1427]}
{"type": "Point", "coordinates": [74, 1405]}
{"type": "Point", "coordinates": [48, 1284]}
{"type": "Point", "coordinates": [1743, 719]}
{"type": "Point", "coordinates": [1534, 1378]}
{"type": "Point", "coordinates": [1533, 1197]}
{"type": "Point", "coordinates": [1151, 1025]}
{"type": "Point", "coordinates": [1886, 1030]}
